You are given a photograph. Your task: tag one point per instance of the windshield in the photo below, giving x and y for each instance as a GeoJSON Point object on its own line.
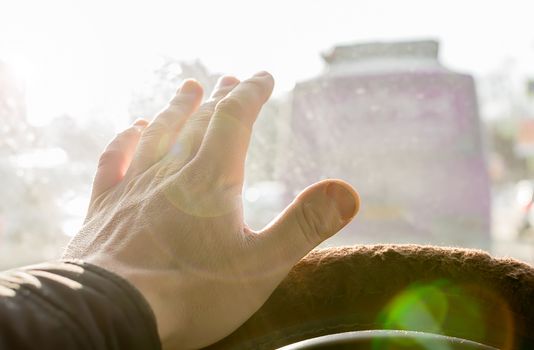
{"type": "Point", "coordinates": [426, 108]}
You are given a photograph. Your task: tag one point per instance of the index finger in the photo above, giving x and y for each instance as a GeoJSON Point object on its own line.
{"type": "Point", "coordinates": [224, 148]}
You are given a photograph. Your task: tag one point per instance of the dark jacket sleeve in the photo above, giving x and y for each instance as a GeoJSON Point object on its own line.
{"type": "Point", "coordinates": [73, 305]}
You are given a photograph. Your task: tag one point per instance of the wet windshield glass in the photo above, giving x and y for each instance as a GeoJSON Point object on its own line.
{"type": "Point", "coordinates": [427, 109]}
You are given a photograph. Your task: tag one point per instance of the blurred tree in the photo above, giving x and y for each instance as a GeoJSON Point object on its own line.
{"type": "Point", "coordinates": [30, 219]}
{"type": "Point", "coordinates": [158, 90]}
{"type": "Point", "coordinates": [47, 170]}
{"type": "Point", "coordinates": [15, 132]}
{"type": "Point", "coordinates": [503, 104]}
{"type": "Point", "coordinates": [502, 143]}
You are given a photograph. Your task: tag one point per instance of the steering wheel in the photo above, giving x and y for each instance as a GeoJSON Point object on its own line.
{"type": "Point", "coordinates": [450, 298]}
{"type": "Point", "coordinates": [386, 340]}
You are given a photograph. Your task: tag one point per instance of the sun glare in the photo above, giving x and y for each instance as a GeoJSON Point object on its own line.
{"type": "Point", "coordinates": [44, 56]}
{"type": "Point", "coordinates": [21, 68]}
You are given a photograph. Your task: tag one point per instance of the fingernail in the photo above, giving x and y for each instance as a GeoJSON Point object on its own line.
{"type": "Point", "coordinates": [226, 81]}
{"type": "Point", "coordinates": [346, 199]}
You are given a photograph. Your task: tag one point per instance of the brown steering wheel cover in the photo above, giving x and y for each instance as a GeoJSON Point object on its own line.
{"type": "Point", "coordinates": [344, 289]}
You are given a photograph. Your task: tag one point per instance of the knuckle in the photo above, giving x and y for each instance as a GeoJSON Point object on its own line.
{"type": "Point", "coordinates": [207, 179]}
{"type": "Point", "coordinates": [195, 129]}
{"type": "Point", "coordinates": [173, 114]}
{"type": "Point", "coordinates": [309, 223]}
{"type": "Point", "coordinates": [201, 121]}
{"type": "Point", "coordinates": [179, 105]}
{"type": "Point", "coordinates": [221, 92]}
{"type": "Point", "coordinates": [180, 101]}
{"type": "Point", "coordinates": [163, 118]}
{"type": "Point", "coordinates": [233, 106]}
{"type": "Point", "coordinates": [156, 129]}
{"type": "Point", "coordinates": [192, 191]}
{"type": "Point", "coordinates": [203, 115]}
{"type": "Point", "coordinates": [195, 181]}
{"type": "Point", "coordinates": [208, 107]}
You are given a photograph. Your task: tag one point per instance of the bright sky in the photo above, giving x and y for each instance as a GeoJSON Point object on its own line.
{"type": "Point", "coordinates": [85, 57]}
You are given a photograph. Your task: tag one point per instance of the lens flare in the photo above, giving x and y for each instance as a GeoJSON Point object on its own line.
{"type": "Point", "coordinates": [443, 307]}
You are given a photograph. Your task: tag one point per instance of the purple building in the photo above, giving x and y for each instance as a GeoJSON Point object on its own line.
{"type": "Point", "coordinates": [405, 131]}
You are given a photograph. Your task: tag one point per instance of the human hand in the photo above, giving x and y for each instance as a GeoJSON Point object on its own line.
{"type": "Point", "coordinates": [166, 214]}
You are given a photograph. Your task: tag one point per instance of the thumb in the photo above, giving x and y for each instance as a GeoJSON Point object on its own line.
{"type": "Point", "coordinates": [317, 213]}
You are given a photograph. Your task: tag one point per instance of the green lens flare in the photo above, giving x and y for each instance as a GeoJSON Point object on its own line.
{"type": "Point", "coordinates": [434, 307]}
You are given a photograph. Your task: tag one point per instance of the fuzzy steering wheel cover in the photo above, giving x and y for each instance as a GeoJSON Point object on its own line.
{"type": "Point", "coordinates": [462, 293]}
